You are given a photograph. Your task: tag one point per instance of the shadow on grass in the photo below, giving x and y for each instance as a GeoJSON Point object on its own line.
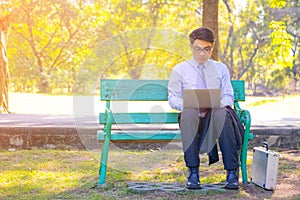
{"type": "Point", "coordinates": [118, 187]}
{"type": "Point", "coordinates": [47, 174]}
{"type": "Point", "coordinates": [121, 190]}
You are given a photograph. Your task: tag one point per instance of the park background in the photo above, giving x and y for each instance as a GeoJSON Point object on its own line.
{"type": "Point", "coordinates": [55, 50]}
{"type": "Point", "coordinates": [66, 47]}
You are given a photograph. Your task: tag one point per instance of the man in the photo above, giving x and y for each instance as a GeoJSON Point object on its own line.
{"type": "Point", "coordinates": [201, 128]}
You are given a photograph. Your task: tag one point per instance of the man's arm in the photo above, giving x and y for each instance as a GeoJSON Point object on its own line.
{"type": "Point", "coordinates": [227, 98]}
{"type": "Point", "coordinates": [175, 96]}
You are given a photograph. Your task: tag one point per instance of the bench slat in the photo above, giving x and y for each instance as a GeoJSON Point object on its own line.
{"type": "Point", "coordinates": [141, 118]}
{"type": "Point", "coordinates": [141, 135]}
{"type": "Point", "coordinates": [134, 90]}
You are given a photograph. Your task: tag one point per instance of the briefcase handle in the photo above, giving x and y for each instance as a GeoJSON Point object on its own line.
{"type": "Point", "coordinates": [266, 145]}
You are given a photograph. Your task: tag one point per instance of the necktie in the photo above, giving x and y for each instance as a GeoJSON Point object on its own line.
{"type": "Point", "coordinates": [202, 75]}
{"type": "Point", "coordinates": [202, 111]}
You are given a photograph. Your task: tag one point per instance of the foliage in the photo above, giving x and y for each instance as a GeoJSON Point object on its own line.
{"type": "Point", "coordinates": [49, 41]}
{"type": "Point", "coordinates": [67, 46]}
{"type": "Point", "coordinates": [257, 44]}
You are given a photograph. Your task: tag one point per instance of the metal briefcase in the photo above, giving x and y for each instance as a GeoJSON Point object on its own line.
{"type": "Point", "coordinates": [264, 167]}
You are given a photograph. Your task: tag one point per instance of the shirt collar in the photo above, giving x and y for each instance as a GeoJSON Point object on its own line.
{"type": "Point", "coordinates": [195, 63]}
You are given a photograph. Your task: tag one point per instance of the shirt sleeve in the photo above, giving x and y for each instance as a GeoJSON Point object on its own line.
{"type": "Point", "coordinates": [227, 98]}
{"type": "Point", "coordinates": [175, 97]}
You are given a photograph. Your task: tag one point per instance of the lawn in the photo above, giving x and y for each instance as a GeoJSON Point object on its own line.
{"type": "Point", "coordinates": [72, 174]}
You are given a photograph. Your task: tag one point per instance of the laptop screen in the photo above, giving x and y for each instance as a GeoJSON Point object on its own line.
{"type": "Point", "coordinates": [201, 98]}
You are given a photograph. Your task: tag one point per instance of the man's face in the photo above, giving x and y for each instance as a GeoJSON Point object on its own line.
{"type": "Point", "coordinates": [202, 50]}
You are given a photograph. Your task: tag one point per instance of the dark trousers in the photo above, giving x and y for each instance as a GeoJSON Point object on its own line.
{"type": "Point", "coordinates": [193, 128]}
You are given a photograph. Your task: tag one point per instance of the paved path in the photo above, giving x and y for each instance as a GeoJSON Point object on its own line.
{"type": "Point", "coordinates": [51, 120]}
{"type": "Point", "coordinates": [40, 110]}
{"type": "Point", "coordinates": [46, 110]}
{"type": "Point", "coordinates": [67, 113]}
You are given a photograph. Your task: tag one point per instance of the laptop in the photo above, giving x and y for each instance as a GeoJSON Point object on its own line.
{"type": "Point", "coordinates": [201, 98]}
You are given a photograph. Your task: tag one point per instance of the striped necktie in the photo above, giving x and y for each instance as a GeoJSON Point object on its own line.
{"type": "Point", "coordinates": [202, 111]}
{"type": "Point", "coordinates": [202, 75]}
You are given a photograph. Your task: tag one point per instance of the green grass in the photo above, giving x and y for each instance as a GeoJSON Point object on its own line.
{"type": "Point", "coordinates": [44, 173]}
{"type": "Point", "coordinates": [262, 102]}
{"type": "Point", "coordinates": [62, 174]}
{"type": "Point", "coordinates": [72, 174]}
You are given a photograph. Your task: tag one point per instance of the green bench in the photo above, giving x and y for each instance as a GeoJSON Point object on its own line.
{"type": "Point", "coordinates": [152, 90]}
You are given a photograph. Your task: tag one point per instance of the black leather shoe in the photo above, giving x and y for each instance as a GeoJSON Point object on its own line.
{"type": "Point", "coordinates": [193, 179]}
{"type": "Point", "coordinates": [232, 180]}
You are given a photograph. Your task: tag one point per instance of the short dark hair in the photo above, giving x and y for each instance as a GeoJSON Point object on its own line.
{"type": "Point", "coordinates": [202, 34]}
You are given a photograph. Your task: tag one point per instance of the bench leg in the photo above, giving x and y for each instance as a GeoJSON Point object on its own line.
{"type": "Point", "coordinates": [103, 162]}
{"type": "Point", "coordinates": [243, 157]}
{"type": "Point", "coordinates": [244, 163]}
{"type": "Point", "coordinates": [245, 115]}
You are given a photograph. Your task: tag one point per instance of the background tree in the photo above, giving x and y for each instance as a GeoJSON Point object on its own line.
{"type": "Point", "coordinates": [128, 16]}
{"type": "Point", "coordinates": [210, 20]}
{"type": "Point", "coordinates": [284, 40]}
{"type": "Point", "coordinates": [55, 43]}
{"type": "Point", "coordinates": [4, 73]}
{"type": "Point", "coordinates": [248, 50]}
{"type": "Point", "coordinates": [52, 38]}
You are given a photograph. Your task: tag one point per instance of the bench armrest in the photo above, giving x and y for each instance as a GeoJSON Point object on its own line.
{"type": "Point", "coordinates": [244, 116]}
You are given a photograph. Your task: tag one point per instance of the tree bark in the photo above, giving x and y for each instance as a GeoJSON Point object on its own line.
{"type": "Point", "coordinates": [4, 73]}
{"type": "Point", "coordinates": [210, 20]}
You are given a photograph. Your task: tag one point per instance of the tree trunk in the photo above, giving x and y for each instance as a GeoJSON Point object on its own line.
{"type": "Point", "coordinates": [210, 20]}
{"type": "Point", "coordinates": [4, 73]}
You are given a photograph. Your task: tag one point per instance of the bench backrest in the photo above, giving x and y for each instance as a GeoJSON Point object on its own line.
{"type": "Point", "coordinates": [134, 90]}
{"type": "Point", "coordinates": [149, 90]}
{"type": "Point", "coordinates": [146, 90]}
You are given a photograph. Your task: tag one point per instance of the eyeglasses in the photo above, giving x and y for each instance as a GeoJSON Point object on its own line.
{"type": "Point", "coordinates": [205, 50]}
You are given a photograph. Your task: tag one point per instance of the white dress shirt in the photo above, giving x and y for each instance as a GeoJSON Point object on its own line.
{"type": "Point", "coordinates": [187, 75]}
